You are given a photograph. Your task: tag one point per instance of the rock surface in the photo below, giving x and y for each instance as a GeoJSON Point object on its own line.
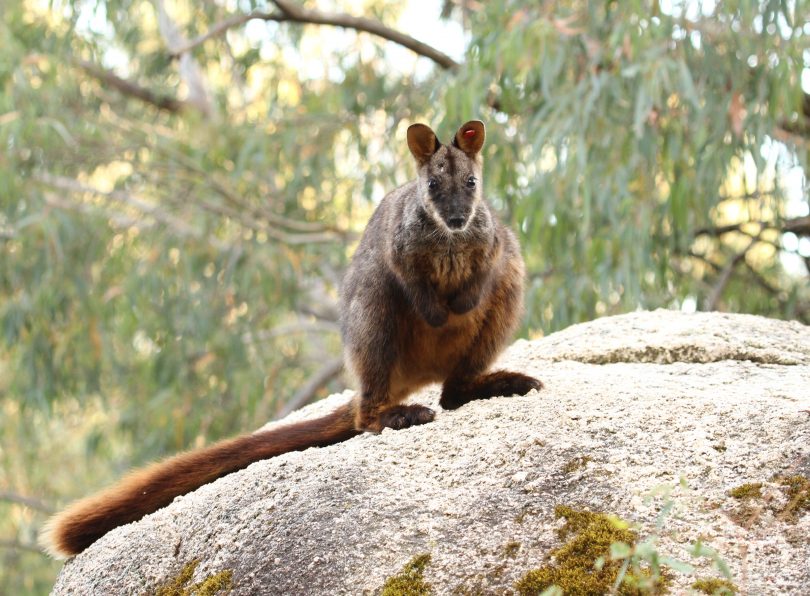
{"type": "Point", "coordinates": [633, 404]}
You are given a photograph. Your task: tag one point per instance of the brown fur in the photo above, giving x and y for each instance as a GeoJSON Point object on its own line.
{"type": "Point", "coordinates": [425, 300]}
{"type": "Point", "coordinates": [434, 292]}
{"type": "Point", "coordinates": [149, 489]}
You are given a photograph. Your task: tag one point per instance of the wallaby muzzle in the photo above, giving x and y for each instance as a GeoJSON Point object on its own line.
{"type": "Point", "coordinates": [454, 213]}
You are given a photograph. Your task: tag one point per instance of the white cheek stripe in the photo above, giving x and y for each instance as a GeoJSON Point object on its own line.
{"type": "Point", "coordinates": [472, 213]}
{"type": "Point", "coordinates": [434, 214]}
{"type": "Point", "coordinates": [431, 209]}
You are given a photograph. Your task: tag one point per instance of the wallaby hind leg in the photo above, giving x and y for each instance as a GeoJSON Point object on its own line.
{"type": "Point", "coordinates": [373, 415]}
{"type": "Point", "coordinates": [458, 391]}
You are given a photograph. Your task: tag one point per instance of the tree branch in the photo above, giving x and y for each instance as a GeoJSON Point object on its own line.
{"type": "Point", "coordinates": [800, 308]}
{"type": "Point", "coordinates": [269, 216]}
{"type": "Point", "coordinates": [177, 224]}
{"type": "Point", "coordinates": [292, 12]}
{"type": "Point", "coordinates": [220, 28]}
{"type": "Point", "coordinates": [252, 223]}
{"type": "Point", "coordinates": [316, 327]}
{"type": "Point", "coordinates": [29, 502]}
{"type": "Point", "coordinates": [725, 276]}
{"type": "Point", "coordinates": [190, 71]}
{"type": "Point", "coordinates": [250, 214]}
{"type": "Point", "coordinates": [308, 391]}
{"type": "Point", "coordinates": [125, 87]}
{"type": "Point", "coordinates": [16, 544]}
{"type": "Point", "coordinates": [798, 225]}
{"type": "Point", "coordinates": [140, 205]}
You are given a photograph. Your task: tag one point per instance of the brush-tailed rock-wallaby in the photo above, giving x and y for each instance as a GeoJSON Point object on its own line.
{"type": "Point", "coordinates": [433, 294]}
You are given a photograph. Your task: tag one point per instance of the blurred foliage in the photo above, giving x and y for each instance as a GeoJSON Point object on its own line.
{"type": "Point", "coordinates": [173, 229]}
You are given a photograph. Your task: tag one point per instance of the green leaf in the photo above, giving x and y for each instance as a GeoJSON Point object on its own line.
{"type": "Point", "coordinates": [677, 565]}
{"type": "Point", "coordinates": [687, 85]}
{"type": "Point", "coordinates": [620, 550]}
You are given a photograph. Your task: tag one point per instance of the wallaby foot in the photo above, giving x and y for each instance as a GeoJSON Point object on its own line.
{"type": "Point", "coordinates": [457, 392]}
{"type": "Point", "coordinates": [400, 417]}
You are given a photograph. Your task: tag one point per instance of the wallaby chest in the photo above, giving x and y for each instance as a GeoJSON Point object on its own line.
{"type": "Point", "coordinates": [445, 263]}
{"type": "Point", "coordinates": [447, 269]}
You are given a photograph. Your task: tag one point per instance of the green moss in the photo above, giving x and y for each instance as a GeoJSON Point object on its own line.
{"type": "Point", "coordinates": [409, 581]}
{"type": "Point", "coordinates": [510, 549]}
{"type": "Point", "coordinates": [589, 536]}
{"type": "Point", "coordinates": [796, 489]}
{"type": "Point", "coordinates": [576, 464]}
{"type": "Point", "coordinates": [747, 512]}
{"type": "Point", "coordinates": [715, 586]}
{"type": "Point", "coordinates": [798, 493]}
{"type": "Point", "coordinates": [177, 585]}
{"type": "Point", "coordinates": [213, 584]}
{"type": "Point", "coordinates": [752, 490]}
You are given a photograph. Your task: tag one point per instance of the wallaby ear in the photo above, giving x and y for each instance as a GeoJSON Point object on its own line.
{"type": "Point", "coordinates": [470, 137]}
{"type": "Point", "coordinates": [422, 142]}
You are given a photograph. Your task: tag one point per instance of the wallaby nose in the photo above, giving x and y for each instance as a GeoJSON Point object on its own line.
{"type": "Point", "coordinates": [456, 222]}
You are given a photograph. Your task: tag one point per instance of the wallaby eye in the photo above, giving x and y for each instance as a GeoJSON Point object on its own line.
{"type": "Point", "coordinates": [432, 183]}
{"type": "Point", "coordinates": [471, 182]}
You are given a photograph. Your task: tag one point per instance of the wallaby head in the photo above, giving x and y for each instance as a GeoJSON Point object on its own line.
{"type": "Point", "coordinates": [449, 176]}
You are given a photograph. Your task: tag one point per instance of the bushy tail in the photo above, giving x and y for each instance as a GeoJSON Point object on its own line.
{"type": "Point", "coordinates": [147, 490]}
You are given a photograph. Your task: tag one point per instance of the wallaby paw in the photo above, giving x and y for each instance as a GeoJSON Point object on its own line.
{"type": "Point", "coordinates": [437, 317]}
{"type": "Point", "coordinates": [463, 303]}
{"type": "Point", "coordinates": [400, 417]}
{"type": "Point", "coordinates": [520, 384]}
{"type": "Point", "coordinates": [503, 382]}
{"type": "Point", "coordinates": [452, 401]}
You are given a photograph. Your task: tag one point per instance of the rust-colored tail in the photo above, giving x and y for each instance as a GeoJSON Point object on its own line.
{"type": "Point", "coordinates": [147, 490]}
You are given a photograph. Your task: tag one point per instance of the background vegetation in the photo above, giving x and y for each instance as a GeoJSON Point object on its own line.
{"type": "Point", "coordinates": [182, 184]}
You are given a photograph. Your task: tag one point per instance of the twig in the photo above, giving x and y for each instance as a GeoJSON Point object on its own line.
{"type": "Point", "coordinates": [722, 230]}
{"type": "Point", "coordinates": [16, 544]}
{"type": "Point", "coordinates": [140, 205]}
{"type": "Point", "coordinates": [176, 224]}
{"type": "Point", "coordinates": [291, 12]}
{"type": "Point", "coordinates": [29, 502]}
{"type": "Point", "coordinates": [725, 276]}
{"type": "Point", "coordinates": [800, 308]}
{"type": "Point", "coordinates": [308, 391]}
{"type": "Point", "coordinates": [219, 28]}
{"type": "Point", "coordinates": [290, 329]}
{"type": "Point", "coordinates": [250, 212]}
{"type": "Point", "coordinates": [190, 71]}
{"type": "Point", "coordinates": [252, 223]}
{"type": "Point", "coordinates": [163, 102]}
{"type": "Point", "coordinates": [798, 225]}
{"type": "Point", "coordinates": [269, 216]}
